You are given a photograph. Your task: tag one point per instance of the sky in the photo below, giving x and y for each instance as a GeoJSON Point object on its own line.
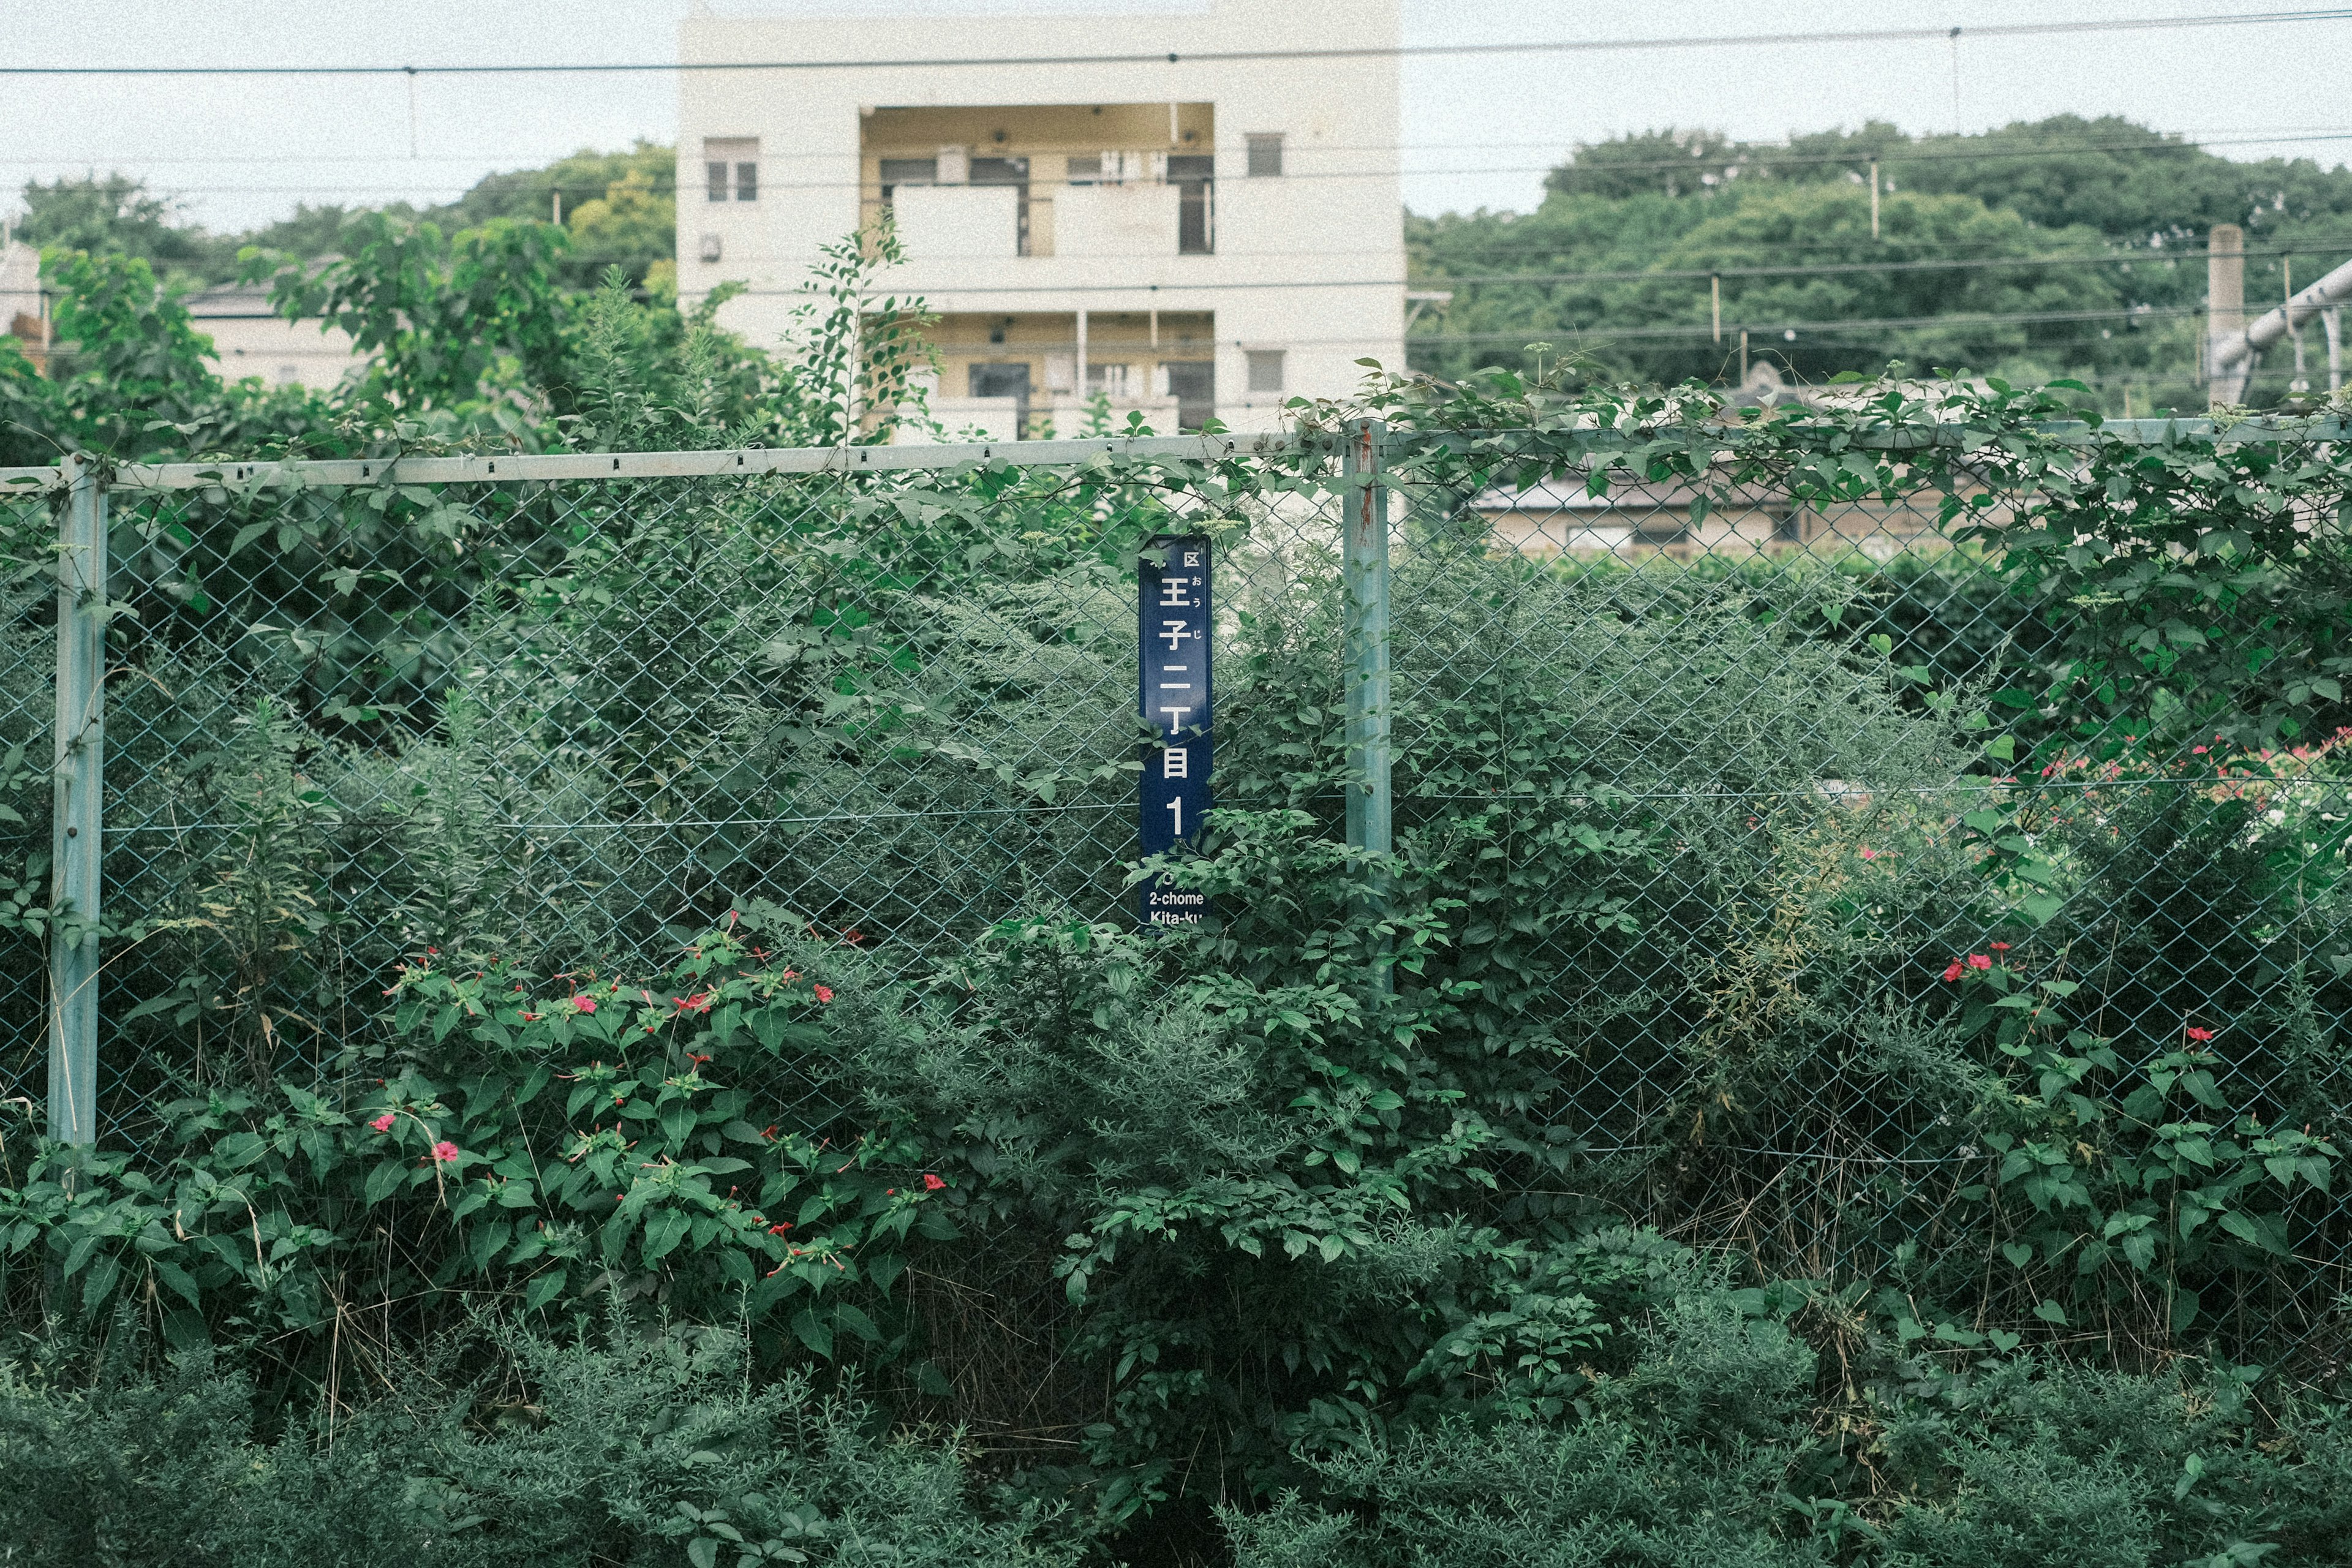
{"type": "Point", "coordinates": [1480, 131]}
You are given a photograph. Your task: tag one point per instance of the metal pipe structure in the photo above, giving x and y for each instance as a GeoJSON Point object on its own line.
{"type": "Point", "coordinates": [1364, 562]}
{"type": "Point", "coordinates": [2232, 349]}
{"type": "Point", "coordinates": [79, 779]}
{"type": "Point", "coordinates": [1364, 657]}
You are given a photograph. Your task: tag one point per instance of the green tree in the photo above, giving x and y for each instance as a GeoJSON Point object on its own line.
{"type": "Point", "coordinates": [1661, 201]}
{"type": "Point", "coordinates": [448, 317]}
{"type": "Point", "coordinates": [129, 354]}
{"type": "Point", "coordinates": [113, 214]}
{"type": "Point", "coordinates": [633, 225]}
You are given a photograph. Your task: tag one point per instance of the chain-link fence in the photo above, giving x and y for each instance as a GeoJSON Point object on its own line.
{"type": "Point", "coordinates": [1700, 743]}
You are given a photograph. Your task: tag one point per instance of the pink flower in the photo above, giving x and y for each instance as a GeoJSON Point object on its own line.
{"type": "Point", "coordinates": [2200, 1034]}
{"type": "Point", "coordinates": [444, 1153]}
{"type": "Point", "coordinates": [1870, 854]}
{"type": "Point", "coordinates": [1953, 973]}
{"type": "Point", "coordinates": [2001, 947]}
{"type": "Point", "coordinates": [824, 993]}
{"type": "Point", "coordinates": [932, 1183]}
{"type": "Point", "coordinates": [382, 1123]}
{"type": "Point", "coordinates": [1980, 961]}
{"type": "Point", "coordinates": [584, 1004]}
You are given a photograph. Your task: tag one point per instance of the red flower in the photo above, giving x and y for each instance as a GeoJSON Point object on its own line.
{"type": "Point", "coordinates": [696, 1058]}
{"type": "Point", "coordinates": [780, 1229]}
{"type": "Point", "coordinates": [2001, 947]}
{"type": "Point", "coordinates": [444, 1153]}
{"type": "Point", "coordinates": [932, 1183]}
{"type": "Point", "coordinates": [824, 993]}
{"type": "Point", "coordinates": [1980, 961]}
{"type": "Point", "coordinates": [2196, 1034]}
{"type": "Point", "coordinates": [382, 1123]}
{"type": "Point", "coordinates": [1869, 854]}
{"type": "Point", "coordinates": [1953, 973]}
{"type": "Point", "coordinates": [584, 1004]}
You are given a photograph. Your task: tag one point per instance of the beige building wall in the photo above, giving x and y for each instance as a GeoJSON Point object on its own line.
{"type": "Point", "coordinates": [251, 339]}
{"type": "Point", "coordinates": [1303, 270]}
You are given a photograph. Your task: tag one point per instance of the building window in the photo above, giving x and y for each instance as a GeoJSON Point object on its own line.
{"type": "Point", "coordinates": [709, 249]}
{"type": "Point", "coordinates": [1266, 370]}
{"type": "Point", "coordinates": [897, 172]}
{"type": "Point", "coordinates": [1014, 171]}
{"type": "Point", "coordinates": [1112, 381]}
{"type": "Point", "coordinates": [1193, 175]}
{"type": "Point", "coordinates": [1660, 532]}
{"type": "Point", "coordinates": [730, 167]}
{"type": "Point", "coordinates": [1194, 385]}
{"type": "Point", "coordinates": [1265, 154]}
{"type": "Point", "coordinates": [1084, 169]}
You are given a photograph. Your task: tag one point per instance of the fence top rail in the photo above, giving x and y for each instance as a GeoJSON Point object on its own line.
{"type": "Point", "coordinates": [511, 468]}
{"type": "Point", "coordinates": [515, 468]}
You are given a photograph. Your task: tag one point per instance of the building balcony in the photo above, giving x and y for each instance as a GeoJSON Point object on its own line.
{"type": "Point", "coordinates": [1099, 182]}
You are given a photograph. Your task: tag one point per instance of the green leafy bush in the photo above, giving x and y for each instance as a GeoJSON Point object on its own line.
{"type": "Point", "coordinates": [506, 1449]}
{"type": "Point", "coordinates": [1711, 1447]}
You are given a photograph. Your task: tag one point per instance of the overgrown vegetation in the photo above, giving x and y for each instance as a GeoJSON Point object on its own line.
{"type": "Point", "coordinates": [623, 1049]}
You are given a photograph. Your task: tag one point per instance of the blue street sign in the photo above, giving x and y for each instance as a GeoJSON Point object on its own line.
{"type": "Point", "coordinates": [1173, 609]}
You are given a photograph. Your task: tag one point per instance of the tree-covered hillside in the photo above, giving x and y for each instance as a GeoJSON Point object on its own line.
{"type": "Point", "coordinates": [620, 207]}
{"type": "Point", "coordinates": [2068, 247]}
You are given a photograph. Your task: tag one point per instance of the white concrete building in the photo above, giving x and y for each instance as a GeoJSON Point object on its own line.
{"type": "Point", "coordinates": [249, 339]}
{"type": "Point", "coordinates": [1182, 236]}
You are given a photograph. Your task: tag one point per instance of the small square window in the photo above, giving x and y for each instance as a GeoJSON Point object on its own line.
{"type": "Point", "coordinates": [731, 165]}
{"type": "Point", "coordinates": [1266, 370]}
{"type": "Point", "coordinates": [1661, 531]}
{"type": "Point", "coordinates": [1264, 154]}
{"type": "Point", "coordinates": [709, 251]}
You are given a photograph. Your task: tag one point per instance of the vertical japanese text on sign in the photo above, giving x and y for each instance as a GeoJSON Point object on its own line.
{"type": "Point", "coordinates": [1174, 698]}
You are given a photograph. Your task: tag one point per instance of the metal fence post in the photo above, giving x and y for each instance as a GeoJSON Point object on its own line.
{"type": "Point", "coordinates": [1364, 654]}
{"type": "Point", "coordinates": [79, 778]}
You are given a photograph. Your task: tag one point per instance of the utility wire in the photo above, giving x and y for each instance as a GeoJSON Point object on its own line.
{"type": "Point", "coordinates": [1763, 154]}
{"type": "Point", "coordinates": [1214, 57]}
{"type": "Point", "coordinates": [521, 178]}
{"type": "Point", "coordinates": [2323, 245]}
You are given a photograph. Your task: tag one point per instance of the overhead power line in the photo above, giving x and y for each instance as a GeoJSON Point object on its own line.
{"type": "Point", "coordinates": [1213, 57]}
{"type": "Point", "coordinates": [1776, 154]}
{"type": "Point", "coordinates": [1384, 171]}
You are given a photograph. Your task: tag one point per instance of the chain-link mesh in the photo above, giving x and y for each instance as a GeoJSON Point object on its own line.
{"type": "Point", "coordinates": [574, 721]}
{"type": "Point", "coordinates": [1753, 1022]}
{"type": "Point", "coordinates": [28, 532]}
